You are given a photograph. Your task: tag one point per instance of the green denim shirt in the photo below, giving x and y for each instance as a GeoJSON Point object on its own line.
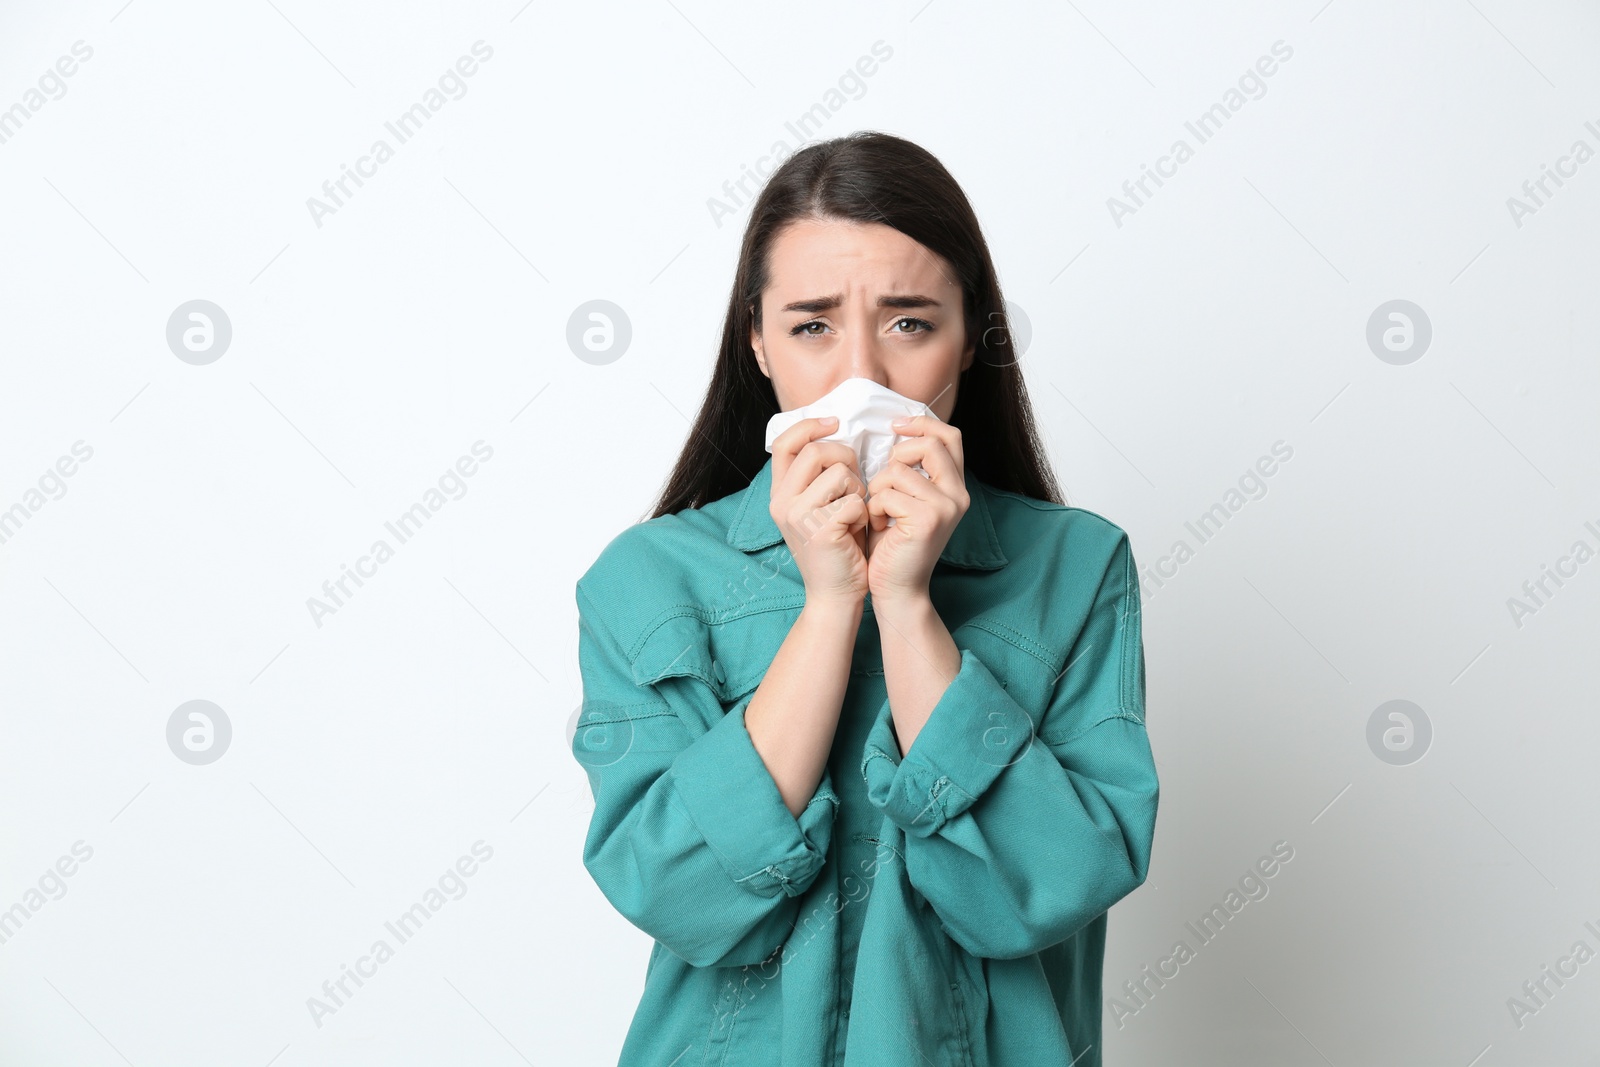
{"type": "Point", "coordinates": [946, 908]}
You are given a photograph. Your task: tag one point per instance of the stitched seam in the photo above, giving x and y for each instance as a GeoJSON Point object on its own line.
{"type": "Point", "coordinates": [933, 813]}
{"type": "Point", "coordinates": [1125, 626]}
{"type": "Point", "coordinates": [740, 1001]}
{"type": "Point", "coordinates": [819, 798]}
{"type": "Point", "coordinates": [874, 753]}
{"type": "Point", "coordinates": [737, 691]}
{"type": "Point", "coordinates": [728, 688]}
{"type": "Point", "coordinates": [990, 536]}
{"type": "Point", "coordinates": [716, 1016]}
{"type": "Point", "coordinates": [1080, 731]}
{"type": "Point", "coordinates": [727, 1039]}
{"type": "Point", "coordinates": [673, 611]}
{"type": "Point", "coordinates": [1132, 639]}
{"type": "Point", "coordinates": [963, 1025]}
{"type": "Point", "coordinates": [1014, 638]}
{"type": "Point", "coordinates": [659, 713]}
{"type": "Point", "coordinates": [1046, 505]}
{"type": "Point", "coordinates": [773, 872]}
{"type": "Point", "coordinates": [738, 520]}
{"type": "Point", "coordinates": [943, 788]}
{"type": "Point", "coordinates": [946, 784]}
{"type": "Point", "coordinates": [1032, 502]}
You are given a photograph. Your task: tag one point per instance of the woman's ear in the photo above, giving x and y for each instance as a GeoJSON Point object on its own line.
{"type": "Point", "coordinates": [966, 357]}
{"type": "Point", "coordinates": [755, 344]}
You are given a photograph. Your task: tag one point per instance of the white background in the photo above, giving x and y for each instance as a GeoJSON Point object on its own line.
{"type": "Point", "coordinates": [430, 311]}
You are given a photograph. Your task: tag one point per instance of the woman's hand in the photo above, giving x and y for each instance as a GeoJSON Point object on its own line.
{"type": "Point", "coordinates": [818, 501]}
{"type": "Point", "coordinates": [926, 509]}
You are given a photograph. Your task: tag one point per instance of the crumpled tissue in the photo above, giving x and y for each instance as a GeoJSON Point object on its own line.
{"type": "Point", "coordinates": [864, 409]}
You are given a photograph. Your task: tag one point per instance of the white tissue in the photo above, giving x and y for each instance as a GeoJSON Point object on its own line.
{"type": "Point", "coordinates": [864, 410]}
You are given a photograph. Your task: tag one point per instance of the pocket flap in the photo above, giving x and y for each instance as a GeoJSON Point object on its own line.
{"type": "Point", "coordinates": [730, 657]}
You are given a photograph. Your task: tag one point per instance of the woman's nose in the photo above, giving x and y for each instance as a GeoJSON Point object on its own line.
{"type": "Point", "coordinates": [865, 359]}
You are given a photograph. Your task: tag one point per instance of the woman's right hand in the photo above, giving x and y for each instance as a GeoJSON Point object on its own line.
{"type": "Point", "coordinates": [819, 503]}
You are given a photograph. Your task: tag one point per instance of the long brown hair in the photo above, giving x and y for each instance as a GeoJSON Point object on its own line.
{"type": "Point", "coordinates": [864, 177]}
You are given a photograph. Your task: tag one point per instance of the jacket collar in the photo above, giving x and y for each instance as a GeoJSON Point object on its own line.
{"type": "Point", "coordinates": [973, 543]}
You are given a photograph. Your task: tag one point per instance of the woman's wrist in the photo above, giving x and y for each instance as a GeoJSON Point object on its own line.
{"type": "Point", "coordinates": [832, 611]}
{"type": "Point", "coordinates": [908, 608]}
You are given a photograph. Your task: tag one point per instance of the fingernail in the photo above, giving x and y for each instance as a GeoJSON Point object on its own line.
{"type": "Point", "coordinates": [830, 418]}
{"type": "Point", "coordinates": [902, 421]}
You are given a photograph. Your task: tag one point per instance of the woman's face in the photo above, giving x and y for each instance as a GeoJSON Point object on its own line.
{"type": "Point", "coordinates": [860, 300]}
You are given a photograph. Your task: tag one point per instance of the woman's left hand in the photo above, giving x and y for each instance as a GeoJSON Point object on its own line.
{"type": "Point", "coordinates": [925, 508]}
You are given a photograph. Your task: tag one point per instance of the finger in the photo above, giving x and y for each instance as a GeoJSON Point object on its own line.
{"type": "Point", "coordinates": [835, 481]}
{"type": "Point", "coordinates": [933, 426]}
{"type": "Point", "coordinates": [900, 476]}
{"type": "Point", "coordinates": [816, 457]}
{"type": "Point", "coordinates": [788, 444]}
{"type": "Point", "coordinates": [847, 513]}
{"type": "Point", "coordinates": [934, 456]}
{"type": "Point", "coordinates": [813, 458]}
{"type": "Point", "coordinates": [790, 441]}
{"type": "Point", "coordinates": [834, 499]}
{"type": "Point", "coordinates": [892, 503]}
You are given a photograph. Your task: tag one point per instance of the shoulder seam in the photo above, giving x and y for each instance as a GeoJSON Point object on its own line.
{"type": "Point", "coordinates": [1048, 505]}
{"type": "Point", "coordinates": [1130, 634]}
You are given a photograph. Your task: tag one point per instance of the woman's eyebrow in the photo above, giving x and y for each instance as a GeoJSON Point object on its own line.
{"type": "Point", "coordinates": [828, 303]}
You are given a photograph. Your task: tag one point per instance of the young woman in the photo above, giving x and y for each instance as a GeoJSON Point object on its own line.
{"type": "Point", "coordinates": [871, 788]}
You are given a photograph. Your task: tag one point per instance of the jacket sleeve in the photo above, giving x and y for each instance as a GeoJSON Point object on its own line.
{"type": "Point", "coordinates": [690, 838]}
{"type": "Point", "coordinates": [1016, 841]}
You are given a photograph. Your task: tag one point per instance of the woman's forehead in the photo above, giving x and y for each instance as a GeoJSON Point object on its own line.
{"type": "Point", "coordinates": [847, 258]}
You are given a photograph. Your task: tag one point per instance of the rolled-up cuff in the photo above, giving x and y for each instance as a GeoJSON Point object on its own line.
{"type": "Point", "coordinates": [974, 732]}
{"type": "Point", "coordinates": [731, 797]}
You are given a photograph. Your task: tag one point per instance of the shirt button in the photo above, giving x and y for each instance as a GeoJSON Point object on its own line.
{"type": "Point", "coordinates": [717, 672]}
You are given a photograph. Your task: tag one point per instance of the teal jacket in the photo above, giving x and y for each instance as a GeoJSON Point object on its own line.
{"type": "Point", "coordinates": [944, 909]}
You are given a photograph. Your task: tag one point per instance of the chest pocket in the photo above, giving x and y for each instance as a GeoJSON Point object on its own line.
{"type": "Point", "coordinates": [725, 657]}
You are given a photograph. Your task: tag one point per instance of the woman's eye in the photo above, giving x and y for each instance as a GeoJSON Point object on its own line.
{"type": "Point", "coordinates": [804, 328]}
